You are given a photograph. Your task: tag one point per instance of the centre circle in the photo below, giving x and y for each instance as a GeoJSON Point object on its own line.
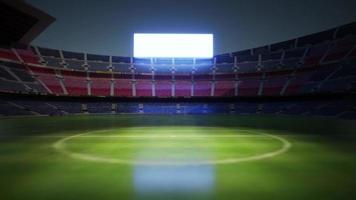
{"type": "Point", "coordinates": [170, 145]}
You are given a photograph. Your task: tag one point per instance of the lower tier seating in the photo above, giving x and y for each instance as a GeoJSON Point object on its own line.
{"type": "Point", "coordinates": [18, 106]}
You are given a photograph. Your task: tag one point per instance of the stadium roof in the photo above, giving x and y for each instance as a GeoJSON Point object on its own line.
{"type": "Point", "coordinates": [20, 22]}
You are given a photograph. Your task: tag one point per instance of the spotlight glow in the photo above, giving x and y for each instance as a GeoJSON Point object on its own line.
{"type": "Point", "coordinates": [149, 45]}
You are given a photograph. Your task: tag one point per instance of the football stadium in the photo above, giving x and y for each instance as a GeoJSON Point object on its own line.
{"type": "Point", "coordinates": [176, 118]}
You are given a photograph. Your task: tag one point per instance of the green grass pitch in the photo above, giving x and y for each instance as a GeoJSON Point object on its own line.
{"type": "Point", "coordinates": [177, 157]}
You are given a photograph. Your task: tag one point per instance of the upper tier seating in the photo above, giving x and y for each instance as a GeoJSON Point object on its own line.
{"type": "Point", "coordinates": [49, 52]}
{"type": "Point", "coordinates": [316, 38]}
{"type": "Point", "coordinates": [122, 68]}
{"type": "Point", "coordinates": [28, 56]}
{"type": "Point", "coordinates": [315, 54]}
{"type": "Point", "coordinates": [7, 54]}
{"type": "Point", "coordinates": [53, 62]}
{"type": "Point", "coordinates": [73, 55]}
{"type": "Point", "coordinates": [163, 69]}
{"type": "Point", "coordinates": [203, 69]}
{"type": "Point", "coordinates": [182, 69]}
{"type": "Point", "coordinates": [224, 58]}
{"type": "Point", "coordinates": [98, 58]}
{"type": "Point", "coordinates": [282, 46]}
{"type": "Point", "coordinates": [340, 49]}
{"type": "Point", "coordinates": [120, 59]}
{"type": "Point", "coordinates": [98, 66]}
{"type": "Point", "coordinates": [142, 68]}
{"type": "Point", "coordinates": [225, 68]}
{"type": "Point", "coordinates": [74, 64]}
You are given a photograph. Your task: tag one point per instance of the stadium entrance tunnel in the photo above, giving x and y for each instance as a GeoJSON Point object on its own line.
{"type": "Point", "coordinates": [172, 145]}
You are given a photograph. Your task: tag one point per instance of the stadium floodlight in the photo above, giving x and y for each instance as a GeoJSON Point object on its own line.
{"type": "Point", "coordinates": [157, 45]}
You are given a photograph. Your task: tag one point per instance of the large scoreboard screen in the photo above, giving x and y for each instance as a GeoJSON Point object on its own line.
{"type": "Point", "coordinates": [159, 45]}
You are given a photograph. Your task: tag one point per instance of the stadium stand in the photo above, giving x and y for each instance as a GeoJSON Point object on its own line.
{"type": "Point", "coordinates": [144, 88]}
{"type": "Point", "coordinates": [31, 105]}
{"type": "Point", "coordinates": [76, 86]}
{"type": "Point", "coordinates": [9, 109]}
{"type": "Point", "coordinates": [99, 107]}
{"type": "Point", "coordinates": [224, 88]}
{"type": "Point", "coordinates": [307, 73]}
{"type": "Point", "coordinates": [7, 54]}
{"type": "Point", "coordinates": [317, 64]}
{"type": "Point", "coordinates": [123, 88]}
{"type": "Point", "coordinates": [183, 88]}
{"type": "Point", "coordinates": [163, 88]}
{"type": "Point", "coordinates": [202, 88]}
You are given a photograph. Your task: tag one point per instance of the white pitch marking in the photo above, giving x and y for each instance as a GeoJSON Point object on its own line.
{"type": "Point", "coordinates": [60, 147]}
{"type": "Point", "coordinates": [145, 136]}
{"type": "Point", "coordinates": [167, 136]}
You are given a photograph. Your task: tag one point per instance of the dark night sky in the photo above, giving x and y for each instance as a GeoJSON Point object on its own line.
{"type": "Point", "coordinates": [107, 26]}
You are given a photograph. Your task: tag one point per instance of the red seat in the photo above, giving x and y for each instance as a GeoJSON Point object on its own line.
{"type": "Point", "coordinates": [183, 88]}
{"type": "Point", "coordinates": [143, 88]}
{"type": "Point", "coordinates": [76, 86]}
{"type": "Point", "coordinates": [28, 56]}
{"type": "Point", "coordinates": [224, 88]}
{"type": "Point", "coordinates": [202, 88]}
{"type": "Point", "coordinates": [8, 55]}
{"type": "Point", "coordinates": [123, 87]}
{"type": "Point", "coordinates": [163, 88]}
{"type": "Point", "coordinates": [248, 87]}
{"type": "Point", "coordinates": [100, 87]}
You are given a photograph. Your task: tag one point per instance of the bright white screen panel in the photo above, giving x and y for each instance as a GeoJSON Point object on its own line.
{"type": "Point", "coordinates": [149, 45]}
